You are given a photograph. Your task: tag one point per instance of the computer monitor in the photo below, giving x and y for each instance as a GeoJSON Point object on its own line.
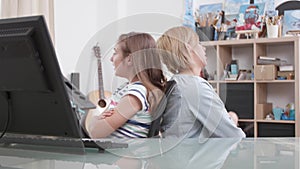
{"type": "Point", "coordinates": [33, 95]}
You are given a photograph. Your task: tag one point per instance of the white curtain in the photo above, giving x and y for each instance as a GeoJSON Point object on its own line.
{"type": "Point", "coordinates": [17, 8]}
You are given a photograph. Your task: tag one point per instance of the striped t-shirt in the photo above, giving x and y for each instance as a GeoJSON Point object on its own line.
{"type": "Point", "coordinates": [138, 125]}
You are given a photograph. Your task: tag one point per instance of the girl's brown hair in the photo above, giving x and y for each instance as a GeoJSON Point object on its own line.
{"type": "Point", "coordinates": [146, 63]}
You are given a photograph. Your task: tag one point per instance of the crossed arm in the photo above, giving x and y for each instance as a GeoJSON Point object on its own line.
{"type": "Point", "coordinates": [100, 127]}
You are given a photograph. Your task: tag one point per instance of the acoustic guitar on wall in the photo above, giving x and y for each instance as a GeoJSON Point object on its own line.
{"type": "Point", "coordinates": [99, 97]}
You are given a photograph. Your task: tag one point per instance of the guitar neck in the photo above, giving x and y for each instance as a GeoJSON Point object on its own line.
{"type": "Point", "coordinates": [100, 80]}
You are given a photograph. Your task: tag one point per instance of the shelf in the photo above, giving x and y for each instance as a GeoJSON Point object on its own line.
{"type": "Point", "coordinates": [246, 97]}
{"type": "Point", "coordinates": [246, 120]}
{"type": "Point", "coordinates": [236, 81]}
{"type": "Point", "coordinates": [276, 121]}
{"type": "Point", "coordinates": [275, 81]}
{"type": "Point", "coordinates": [212, 81]}
{"type": "Point", "coordinates": [276, 40]}
{"type": "Point", "coordinates": [209, 43]}
{"type": "Point", "coordinates": [241, 42]}
{"type": "Point", "coordinates": [230, 81]}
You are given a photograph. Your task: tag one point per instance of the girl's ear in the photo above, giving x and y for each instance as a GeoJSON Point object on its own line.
{"type": "Point", "coordinates": [129, 60]}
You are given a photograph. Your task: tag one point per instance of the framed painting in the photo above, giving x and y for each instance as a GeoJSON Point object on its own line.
{"type": "Point", "coordinates": [270, 4]}
{"type": "Point", "coordinates": [291, 22]}
{"type": "Point", "coordinates": [250, 17]}
{"type": "Point", "coordinates": [210, 8]}
{"type": "Point", "coordinates": [231, 7]}
{"type": "Point", "coordinates": [208, 12]}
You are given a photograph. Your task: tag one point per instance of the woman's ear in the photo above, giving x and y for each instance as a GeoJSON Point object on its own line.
{"type": "Point", "coordinates": [189, 48]}
{"type": "Point", "coordinates": [191, 51]}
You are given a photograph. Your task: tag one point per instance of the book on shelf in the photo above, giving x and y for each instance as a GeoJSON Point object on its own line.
{"type": "Point", "coordinates": [286, 68]}
{"type": "Point", "coordinates": [267, 58]}
{"type": "Point", "coordinates": [285, 73]}
{"type": "Point", "coordinates": [271, 62]}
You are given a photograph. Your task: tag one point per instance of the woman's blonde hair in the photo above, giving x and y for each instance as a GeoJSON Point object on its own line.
{"type": "Point", "coordinates": [174, 47]}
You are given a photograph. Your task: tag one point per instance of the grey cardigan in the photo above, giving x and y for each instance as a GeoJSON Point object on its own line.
{"type": "Point", "coordinates": [195, 110]}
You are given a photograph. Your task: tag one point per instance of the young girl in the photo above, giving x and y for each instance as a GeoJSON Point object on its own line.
{"type": "Point", "coordinates": [129, 116]}
{"type": "Point", "coordinates": [195, 110]}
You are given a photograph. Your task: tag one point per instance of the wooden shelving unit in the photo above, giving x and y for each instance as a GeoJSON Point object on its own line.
{"type": "Point", "coordinates": [277, 92]}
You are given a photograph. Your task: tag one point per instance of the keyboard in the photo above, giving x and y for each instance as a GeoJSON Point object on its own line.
{"type": "Point", "coordinates": [105, 144]}
{"type": "Point", "coordinates": [101, 144]}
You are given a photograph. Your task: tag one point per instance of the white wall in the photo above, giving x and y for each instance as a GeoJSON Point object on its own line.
{"type": "Point", "coordinates": [79, 24]}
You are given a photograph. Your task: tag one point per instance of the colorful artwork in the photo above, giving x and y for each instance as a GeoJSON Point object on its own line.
{"type": "Point", "coordinates": [207, 14]}
{"type": "Point", "coordinates": [232, 6]}
{"type": "Point", "coordinates": [250, 17]}
{"type": "Point", "coordinates": [210, 8]}
{"type": "Point", "coordinates": [291, 21]}
{"type": "Point", "coordinates": [188, 19]}
{"type": "Point", "coordinates": [270, 4]}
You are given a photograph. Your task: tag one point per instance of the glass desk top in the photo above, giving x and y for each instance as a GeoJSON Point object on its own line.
{"type": "Point", "coordinates": [211, 153]}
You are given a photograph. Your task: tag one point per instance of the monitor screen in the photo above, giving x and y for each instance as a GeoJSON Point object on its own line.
{"type": "Point", "coordinates": [33, 95]}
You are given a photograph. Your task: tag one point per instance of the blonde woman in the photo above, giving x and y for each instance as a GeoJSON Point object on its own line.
{"type": "Point", "coordinates": [197, 110]}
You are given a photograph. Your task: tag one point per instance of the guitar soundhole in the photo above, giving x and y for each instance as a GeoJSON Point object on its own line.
{"type": "Point", "coordinates": [102, 103]}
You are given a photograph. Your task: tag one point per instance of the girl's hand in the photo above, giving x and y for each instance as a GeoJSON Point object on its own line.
{"type": "Point", "coordinates": [106, 114]}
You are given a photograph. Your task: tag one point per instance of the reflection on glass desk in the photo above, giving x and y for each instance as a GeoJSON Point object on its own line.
{"type": "Point", "coordinates": [231, 153]}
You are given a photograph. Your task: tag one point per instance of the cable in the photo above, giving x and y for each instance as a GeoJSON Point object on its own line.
{"type": "Point", "coordinates": [8, 114]}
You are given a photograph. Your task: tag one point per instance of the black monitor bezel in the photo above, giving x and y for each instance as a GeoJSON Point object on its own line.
{"type": "Point", "coordinates": [46, 110]}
